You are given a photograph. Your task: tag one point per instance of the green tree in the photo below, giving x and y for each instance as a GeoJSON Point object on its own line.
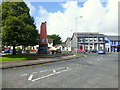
{"type": "Point", "coordinates": [18, 26]}
{"type": "Point", "coordinates": [0, 26]}
{"type": "Point", "coordinates": [56, 39]}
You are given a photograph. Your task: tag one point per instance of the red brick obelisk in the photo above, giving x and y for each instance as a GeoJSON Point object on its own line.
{"type": "Point", "coordinates": [43, 45]}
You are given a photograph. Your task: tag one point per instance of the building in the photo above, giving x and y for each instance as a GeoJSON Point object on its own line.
{"type": "Point", "coordinates": [87, 41]}
{"type": "Point", "coordinates": [68, 44]}
{"type": "Point", "coordinates": [112, 43]}
{"type": "Point", "coordinates": [62, 47]}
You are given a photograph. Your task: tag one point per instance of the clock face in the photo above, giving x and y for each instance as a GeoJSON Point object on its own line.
{"type": "Point", "coordinates": [43, 40]}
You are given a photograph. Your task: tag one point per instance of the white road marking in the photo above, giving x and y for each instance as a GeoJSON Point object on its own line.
{"type": "Point", "coordinates": [54, 71]}
{"type": "Point", "coordinates": [34, 72]}
{"type": "Point", "coordinates": [23, 74]}
{"type": "Point", "coordinates": [44, 71]}
{"type": "Point", "coordinates": [61, 67]}
{"type": "Point", "coordinates": [62, 71]}
{"type": "Point", "coordinates": [50, 75]}
{"type": "Point", "coordinates": [51, 70]}
{"type": "Point", "coordinates": [30, 77]}
{"type": "Point", "coordinates": [43, 77]}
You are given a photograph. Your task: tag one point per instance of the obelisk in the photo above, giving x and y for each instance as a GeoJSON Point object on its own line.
{"type": "Point", "coordinates": [43, 44]}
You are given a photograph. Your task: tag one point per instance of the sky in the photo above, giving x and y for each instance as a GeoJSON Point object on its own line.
{"type": "Point", "coordinates": [64, 18]}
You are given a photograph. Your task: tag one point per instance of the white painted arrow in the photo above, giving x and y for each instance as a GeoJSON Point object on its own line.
{"type": "Point", "coordinates": [30, 77]}
{"type": "Point", "coordinates": [54, 71]}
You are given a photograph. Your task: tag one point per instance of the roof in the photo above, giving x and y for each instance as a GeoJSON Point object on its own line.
{"type": "Point", "coordinates": [68, 39]}
{"type": "Point", "coordinates": [113, 38]}
{"type": "Point", "coordinates": [63, 45]}
{"type": "Point", "coordinates": [88, 34]}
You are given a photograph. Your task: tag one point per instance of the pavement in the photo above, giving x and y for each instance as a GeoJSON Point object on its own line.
{"type": "Point", "coordinates": [94, 71]}
{"type": "Point", "coordinates": [41, 59]}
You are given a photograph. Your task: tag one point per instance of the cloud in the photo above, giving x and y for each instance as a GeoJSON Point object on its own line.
{"type": "Point", "coordinates": [95, 18]}
{"type": "Point", "coordinates": [43, 16]}
{"type": "Point", "coordinates": [32, 8]}
{"type": "Point", "coordinates": [110, 21]}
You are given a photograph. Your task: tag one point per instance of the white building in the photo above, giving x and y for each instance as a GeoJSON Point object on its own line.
{"type": "Point", "coordinates": [68, 44]}
{"type": "Point", "coordinates": [62, 47]}
{"type": "Point", "coordinates": [87, 41]}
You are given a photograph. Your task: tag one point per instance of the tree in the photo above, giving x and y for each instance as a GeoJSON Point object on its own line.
{"type": "Point", "coordinates": [56, 39]}
{"type": "Point", "coordinates": [18, 26]}
{"type": "Point", "coordinates": [0, 26]}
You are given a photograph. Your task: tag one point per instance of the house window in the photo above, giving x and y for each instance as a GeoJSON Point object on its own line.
{"type": "Point", "coordinates": [101, 39]}
{"type": "Point", "coordinates": [80, 40]}
{"type": "Point", "coordinates": [112, 42]}
{"type": "Point", "coordinates": [86, 47]}
{"type": "Point", "coordinates": [91, 39]}
{"type": "Point", "coordinates": [119, 42]}
{"type": "Point", "coordinates": [90, 47]}
{"type": "Point", "coordinates": [86, 39]}
{"type": "Point", "coordinates": [95, 39]}
{"type": "Point", "coordinates": [116, 42]}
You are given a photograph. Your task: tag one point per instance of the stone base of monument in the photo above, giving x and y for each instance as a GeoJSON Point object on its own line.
{"type": "Point", "coordinates": [43, 49]}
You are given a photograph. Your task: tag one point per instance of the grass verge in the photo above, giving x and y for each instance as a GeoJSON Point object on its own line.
{"type": "Point", "coordinates": [10, 57]}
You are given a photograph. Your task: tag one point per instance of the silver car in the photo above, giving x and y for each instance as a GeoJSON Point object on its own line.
{"type": "Point", "coordinates": [101, 52]}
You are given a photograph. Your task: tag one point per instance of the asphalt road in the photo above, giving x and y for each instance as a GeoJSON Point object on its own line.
{"type": "Point", "coordinates": [94, 71]}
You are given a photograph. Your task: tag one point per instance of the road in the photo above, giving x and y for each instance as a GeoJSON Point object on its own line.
{"type": "Point", "coordinates": [94, 71]}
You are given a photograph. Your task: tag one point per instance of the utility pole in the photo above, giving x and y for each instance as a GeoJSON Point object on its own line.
{"type": "Point", "coordinates": [76, 32]}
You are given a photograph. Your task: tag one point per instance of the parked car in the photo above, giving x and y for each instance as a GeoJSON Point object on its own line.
{"type": "Point", "coordinates": [58, 51]}
{"type": "Point", "coordinates": [94, 51]}
{"type": "Point", "coordinates": [9, 51]}
{"type": "Point", "coordinates": [101, 52]}
{"type": "Point", "coordinates": [6, 51]}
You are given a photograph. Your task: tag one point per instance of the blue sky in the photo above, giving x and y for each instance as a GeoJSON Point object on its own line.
{"type": "Point", "coordinates": [49, 6]}
{"type": "Point", "coordinates": [56, 6]}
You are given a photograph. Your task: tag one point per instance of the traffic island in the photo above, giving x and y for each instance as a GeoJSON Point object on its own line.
{"type": "Point", "coordinates": [38, 61]}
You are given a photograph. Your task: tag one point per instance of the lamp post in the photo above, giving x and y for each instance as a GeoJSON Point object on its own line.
{"type": "Point", "coordinates": [76, 31]}
{"type": "Point", "coordinates": [76, 21]}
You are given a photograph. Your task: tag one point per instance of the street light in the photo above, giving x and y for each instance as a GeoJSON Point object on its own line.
{"type": "Point", "coordinates": [76, 30]}
{"type": "Point", "coordinates": [76, 21]}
